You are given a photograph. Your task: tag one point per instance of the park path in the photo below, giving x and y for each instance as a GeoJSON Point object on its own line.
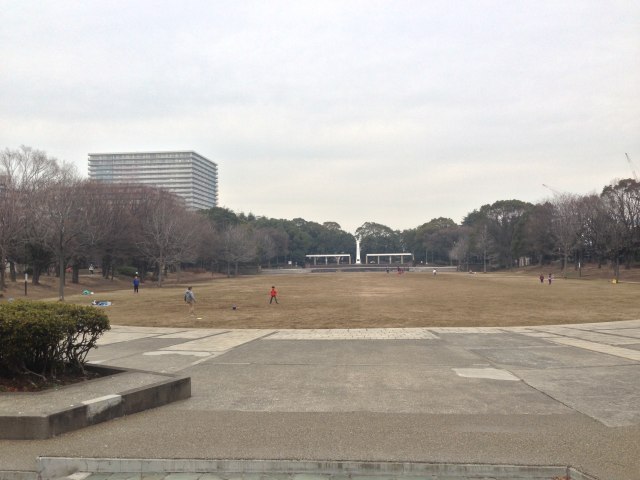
{"type": "Point", "coordinates": [545, 395]}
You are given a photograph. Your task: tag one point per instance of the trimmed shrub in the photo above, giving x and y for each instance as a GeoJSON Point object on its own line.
{"type": "Point", "coordinates": [44, 337]}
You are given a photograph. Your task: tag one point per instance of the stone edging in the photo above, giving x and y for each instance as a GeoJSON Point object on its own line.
{"type": "Point", "coordinates": [57, 467]}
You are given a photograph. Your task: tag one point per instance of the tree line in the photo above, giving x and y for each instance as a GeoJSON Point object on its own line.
{"type": "Point", "coordinates": [54, 221]}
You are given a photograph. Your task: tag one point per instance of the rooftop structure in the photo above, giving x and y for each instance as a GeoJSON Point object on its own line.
{"type": "Point", "coordinates": [185, 173]}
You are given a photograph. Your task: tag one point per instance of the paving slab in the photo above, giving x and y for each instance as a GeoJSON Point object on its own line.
{"type": "Point", "coordinates": [607, 337]}
{"type": "Point", "coordinates": [123, 336]}
{"type": "Point", "coordinates": [608, 394]}
{"type": "Point", "coordinates": [547, 356]}
{"type": "Point", "coordinates": [153, 330]}
{"type": "Point", "coordinates": [350, 352]}
{"type": "Point", "coordinates": [486, 373]}
{"type": "Point", "coordinates": [163, 361]}
{"type": "Point", "coordinates": [538, 334]}
{"type": "Point", "coordinates": [373, 388]}
{"type": "Point", "coordinates": [614, 351]}
{"type": "Point", "coordinates": [354, 334]}
{"type": "Point", "coordinates": [491, 340]}
{"type": "Point", "coordinates": [627, 332]}
{"type": "Point", "coordinates": [221, 342]}
{"type": "Point", "coordinates": [619, 325]}
{"type": "Point", "coordinates": [464, 330]}
{"type": "Point", "coordinates": [195, 333]}
{"type": "Point", "coordinates": [114, 351]}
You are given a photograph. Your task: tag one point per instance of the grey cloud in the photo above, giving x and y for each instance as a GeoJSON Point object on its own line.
{"type": "Point", "coordinates": [470, 97]}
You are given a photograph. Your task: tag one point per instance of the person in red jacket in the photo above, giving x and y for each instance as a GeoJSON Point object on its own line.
{"type": "Point", "coordinates": [274, 295]}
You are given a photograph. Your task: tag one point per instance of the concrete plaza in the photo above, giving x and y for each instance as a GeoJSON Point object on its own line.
{"type": "Point", "coordinates": [549, 396]}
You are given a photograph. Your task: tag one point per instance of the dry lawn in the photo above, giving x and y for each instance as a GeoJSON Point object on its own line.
{"type": "Point", "coordinates": [370, 300]}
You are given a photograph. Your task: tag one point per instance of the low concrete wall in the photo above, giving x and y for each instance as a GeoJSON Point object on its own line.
{"type": "Point", "coordinates": [36, 427]}
{"type": "Point", "coordinates": [17, 475]}
{"type": "Point", "coordinates": [55, 467]}
{"type": "Point", "coordinates": [355, 268]}
{"type": "Point", "coordinates": [283, 271]}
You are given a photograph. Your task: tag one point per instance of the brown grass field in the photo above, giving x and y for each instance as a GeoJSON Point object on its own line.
{"type": "Point", "coordinates": [359, 300]}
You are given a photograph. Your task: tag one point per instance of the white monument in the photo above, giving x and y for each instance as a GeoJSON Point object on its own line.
{"type": "Point", "coordinates": [357, 251]}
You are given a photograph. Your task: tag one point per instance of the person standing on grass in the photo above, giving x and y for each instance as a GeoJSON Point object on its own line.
{"type": "Point", "coordinates": [550, 278]}
{"type": "Point", "coordinates": [136, 284]}
{"type": "Point", "coordinates": [190, 299]}
{"type": "Point", "coordinates": [274, 295]}
{"type": "Point", "coordinates": [542, 278]}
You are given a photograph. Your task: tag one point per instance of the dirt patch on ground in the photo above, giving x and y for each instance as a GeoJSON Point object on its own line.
{"type": "Point", "coordinates": [35, 383]}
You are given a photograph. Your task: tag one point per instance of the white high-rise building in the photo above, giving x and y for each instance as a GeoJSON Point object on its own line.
{"type": "Point", "coordinates": [185, 173]}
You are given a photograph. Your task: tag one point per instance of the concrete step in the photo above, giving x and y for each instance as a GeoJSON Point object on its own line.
{"type": "Point", "coordinates": [197, 469]}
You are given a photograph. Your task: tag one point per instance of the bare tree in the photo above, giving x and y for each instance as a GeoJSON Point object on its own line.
{"type": "Point", "coordinates": [28, 170]}
{"type": "Point", "coordinates": [482, 241]}
{"type": "Point", "coordinates": [266, 245]}
{"type": "Point", "coordinates": [28, 178]}
{"type": "Point", "coordinates": [167, 235]}
{"type": "Point", "coordinates": [538, 238]}
{"type": "Point", "coordinates": [114, 222]}
{"type": "Point", "coordinates": [237, 244]}
{"type": "Point", "coordinates": [207, 241]}
{"type": "Point", "coordinates": [622, 205]}
{"type": "Point", "coordinates": [460, 250]}
{"type": "Point", "coordinates": [505, 222]}
{"type": "Point", "coordinates": [60, 220]}
{"type": "Point", "coordinates": [11, 223]}
{"type": "Point", "coordinates": [281, 240]}
{"type": "Point", "coordinates": [566, 225]}
{"type": "Point", "coordinates": [595, 221]}
{"type": "Point", "coordinates": [622, 201]}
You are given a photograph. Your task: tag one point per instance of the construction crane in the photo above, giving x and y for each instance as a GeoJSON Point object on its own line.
{"type": "Point", "coordinates": [553, 190]}
{"type": "Point", "coordinates": [633, 170]}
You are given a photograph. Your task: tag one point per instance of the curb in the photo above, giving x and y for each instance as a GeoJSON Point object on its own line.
{"type": "Point", "coordinates": [56, 467]}
{"type": "Point", "coordinates": [17, 475]}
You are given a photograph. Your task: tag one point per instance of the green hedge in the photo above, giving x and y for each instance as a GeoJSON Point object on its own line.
{"type": "Point", "coordinates": [45, 337]}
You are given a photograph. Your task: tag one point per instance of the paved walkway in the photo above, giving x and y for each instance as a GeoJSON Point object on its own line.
{"type": "Point", "coordinates": [552, 395]}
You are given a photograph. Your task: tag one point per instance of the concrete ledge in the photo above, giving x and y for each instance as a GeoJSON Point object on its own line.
{"type": "Point", "coordinates": [56, 467]}
{"type": "Point", "coordinates": [41, 415]}
{"type": "Point", "coordinates": [17, 475]}
{"type": "Point", "coordinates": [577, 475]}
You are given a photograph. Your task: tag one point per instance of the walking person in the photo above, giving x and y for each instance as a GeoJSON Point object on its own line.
{"type": "Point", "coordinates": [550, 278]}
{"type": "Point", "coordinates": [542, 278]}
{"type": "Point", "coordinates": [136, 284]}
{"type": "Point", "coordinates": [274, 295]}
{"type": "Point", "coordinates": [190, 299]}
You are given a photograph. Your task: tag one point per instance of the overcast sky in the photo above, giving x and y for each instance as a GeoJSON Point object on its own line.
{"type": "Point", "coordinates": [394, 112]}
